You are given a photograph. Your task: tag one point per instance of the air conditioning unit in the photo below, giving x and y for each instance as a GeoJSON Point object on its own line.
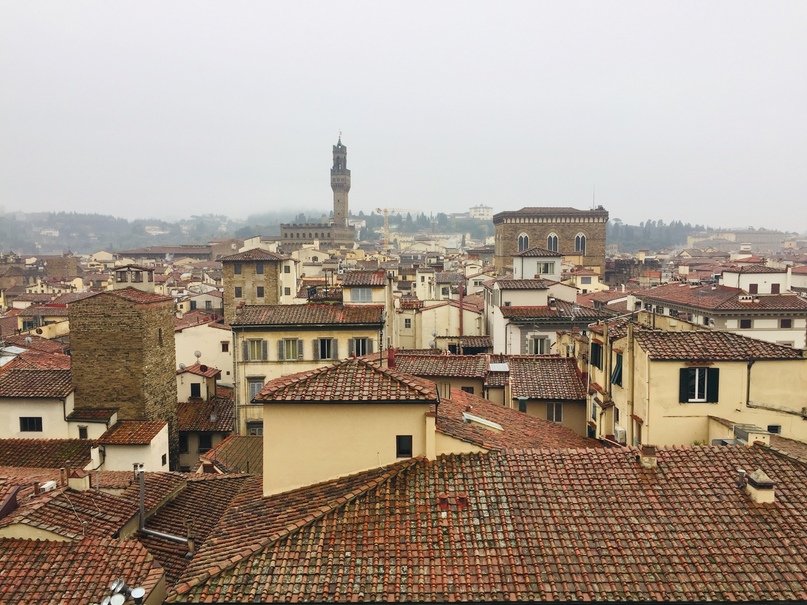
{"type": "Point", "coordinates": [620, 434]}
{"type": "Point", "coordinates": [48, 486]}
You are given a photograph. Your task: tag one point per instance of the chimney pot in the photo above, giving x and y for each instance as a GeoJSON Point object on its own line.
{"type": "Point", "coordinates": [647, 457]}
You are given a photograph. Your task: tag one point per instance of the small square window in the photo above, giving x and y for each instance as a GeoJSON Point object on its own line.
{"type": "Point", "coordinates": [254, 428]}
{"type": "Point", "coordinates": [403, 446]}
{"type": "Point", "coordinates": [287, 291]}
{"type": "Point", "coordinates": [259, 268]}
{"type": "Point", "coordinates": [183, 444]}
{"type": "Point", "coordinates": [165, 459]}
{"type": "Point", "coordinates": [82, 432]}
{"type": "Point", "coordinates": [785, 324]}
{"type": "Point", "coordinates": [286, 269]}
{"type": "Point", "coordinates": [554, 411]}
{"type": "Point", "coordinates": [205, 442]}
{"type": "Point", "coordinates": [467, 390]}
{"type": "Point", "coordinates": [745, 324]}
{"type": "Point", "coordinates": [237, 268]}
{"type": "Point", "coordinates": [407, 323]}
{"type": "Point", "coordinates": [196, 390]}
{"type": "Point", "coordinates": [259, 291]}
{"type": "Point", "coordinates": [225, 346]}
{"type": "Point", "coordinates": [776, 429]}
{"type": "Point", "coordinates": [239, 292]}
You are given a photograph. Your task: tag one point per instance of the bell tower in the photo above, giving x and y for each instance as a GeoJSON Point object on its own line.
{"type": "Point", "coordinates": [340, 183]}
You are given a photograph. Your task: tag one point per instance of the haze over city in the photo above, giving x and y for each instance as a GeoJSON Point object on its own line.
{"type": "Point", "coordinates": [674, 111]}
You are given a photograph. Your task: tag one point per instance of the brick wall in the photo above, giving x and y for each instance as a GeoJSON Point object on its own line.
{"type": "Point", "coordinates": [123, 356]}
{"type": "Point", "coordinates": [248, 281]}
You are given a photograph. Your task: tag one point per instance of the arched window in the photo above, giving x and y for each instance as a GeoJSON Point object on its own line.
{"type": "Point", "coordinates": [552, 242]}
{"type": "Point", "coordinates": [523, 242]}
{"type": "Point", "coordinates": [580, 244]}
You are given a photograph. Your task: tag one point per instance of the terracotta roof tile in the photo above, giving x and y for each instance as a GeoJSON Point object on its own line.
{"type": "Point", "coordinates": [254, 255]}
{"type": "Point", "coordinates": [561, 310]}
{"type": "Point", "coordinates": [200, 369]}
{"type": "Point", "coordinates": [520, 525]}
{"type": "Point", "coordinates": [364, 278]}
{"type": "Point", "coordinates": [36, 343]}
{"type": "Point", "coordinates": [38, 360]}
{"type": "Point", "coordinates": [132, 432]}
{"type": "Point", "coordinates": [354, 380]}
{"type": "Point", "coordinates": [519, 429]}
{"type": "Point", "coordinates": [466, 366]}
{"type": "Point", "coordinates": [198, 415]}
{"type": "Point", "coordinates": [308, 314]}
{"type": "Point", "coordinates": [237, 454]}
{"type": "Point", "coordinates": [131, 294]}
{"type": "Point", "coordinates": [45, 453]}
{"type": "Point", "coordinates": [71, 573]}
{"type": "Point", "coordinates": [537, 251]}
{"type": "Point", "coordinates": [545, 377]}
{"type": "Point", "coordinates": [524, 284]}
{"type": "Point", "coordinates": [192, 319]}
{"type": "Point", "coordinates": [710, 346]}
{"type": "Point", "coordinates": [92, 414]}
{"type": "Point", "coordinates": [34, 383]}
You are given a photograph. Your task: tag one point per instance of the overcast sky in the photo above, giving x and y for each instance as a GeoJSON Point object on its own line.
{"type": "Point", "coordinates": [680, 110]}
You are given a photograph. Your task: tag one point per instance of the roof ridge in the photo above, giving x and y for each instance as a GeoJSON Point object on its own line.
{"type": "Point", "coordinates": [292, 528]}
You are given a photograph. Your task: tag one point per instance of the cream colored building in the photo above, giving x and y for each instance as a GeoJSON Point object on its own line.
{"type": "Point", "coordinates": [276, 340]}
{"type": "Point", "coordinates": [662, 387]}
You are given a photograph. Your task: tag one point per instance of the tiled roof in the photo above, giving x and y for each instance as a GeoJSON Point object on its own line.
{"type": "Point", "coordinates": [791, 447]}
{"type": "Point", "coordinates": [754, 269]}
{"type": "Point", "coordinates": [254, 255]}
{"type": "Point", "coordinates": [198, 415]}
{"type": "Point", "coordinates": [36, 343]}
{"type": "Point", "coordinates": [351, 380]}
{"type": "Point", "coordinates": [132, 432]}
{"type": "Point", "coordinates": [132, 295]}
{"type": "Point", "coordinates": [710, 346]}
{"type": "Point", "coordinates": [92, 414]}
{"type": "Point", "coordinates": [199, 369]}
{"type": "Point", "coordinates": [19, 382]}
{"type": "Point", "coordinates": [545, 377]}
{"type": "Point", "coordinates": [192, 319]}
{"type": "Point", "coordinates": [448, 277]}
{"type": "Point", "coordinates": [561, 310]}
{"type": "Point", "coordinates": [519, 429]}
{"type": "Point", "coordinates": [537, 251]}
{"type": "Point", "coordinates": [34, 297]}
{"type": "Point", "coordinates": [364, 278]}
{"type": "Point", "coordinates": [208, 497]}
{"type": "Point", "coordinates": [43, 311]}
{"type": "Point", "coordinates": [720, 298]}
{"type": "Point", "coordinates": [237, 454]}
{"type": "Point", "coordinates": [45, 453]}
{"type": "Point", "coordinates": [524, 284]}
{"type": "Point", "coordinates": [308, 314]}
{"type": "Point", "coordinates": [465, 366]}
{"type": "Point", "coordinates": [765, 302]}
{"type": "Point", "coordinates": [38, 360]}
{"type": "Point", "coordinates": [569, 525]}
{"type": "Point", "coordinates": [72, 573]}
{"type": "Point", "coordinates": [477, 342]}
{"type": "Point", "coordinates": [70, 297]}
{"type": "Point", "coordinates": [74, 514]}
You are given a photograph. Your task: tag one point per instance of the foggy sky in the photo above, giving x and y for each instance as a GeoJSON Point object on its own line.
{"type": "Point", "coordinates": [690, 111]}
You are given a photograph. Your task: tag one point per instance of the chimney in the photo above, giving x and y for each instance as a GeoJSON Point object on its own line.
{"type": "Point", "coordinates": [647, 456]}
{"type": "Point", "coordinates": [391, 358]}
{"type": "Point", "coordinates": [760, 487]}
{"type": "Point", "coordinates": [36, 488]}
{"type": "Point", "coordinates": [79, 480]}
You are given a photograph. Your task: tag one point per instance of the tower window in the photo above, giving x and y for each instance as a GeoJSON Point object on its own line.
{"type": "Point", "coordinates": [552, 242]}
{"type": "Point", "coordinates": [523, 242]}
{"type": "Point", "coordinates": [580, 244]}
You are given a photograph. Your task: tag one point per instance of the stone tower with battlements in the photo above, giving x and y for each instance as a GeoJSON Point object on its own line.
{"type": "Point", "coordinates": [340, 183]}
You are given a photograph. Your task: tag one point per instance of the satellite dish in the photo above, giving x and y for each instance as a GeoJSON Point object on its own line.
{"type": "Point", "coordinates": [203, 368]}
{"type": "Point", "coordinates": [117, 599]}
{"type": "Point", "coordinates": [138, 593]}
{"type": "Point", "coordinates": [198, 354]}
{"type": "Point", "coordinates": [117, 586]}
{"type": "Point", "coordinates": [28, 340]}
{"type": "Point", "coordinates": [39, 330]}
{"type": "Point", "coordinates": [183, 367]}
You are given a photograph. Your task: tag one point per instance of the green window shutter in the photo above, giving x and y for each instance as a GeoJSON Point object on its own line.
{"type": "Point", "coordinates": [683, 385]}
{"type": "Point", "coordinates": [351, 347]}
{"type": "Point", "coordinates": [316, 349]}
{"type": "Point", "coordinates": [245, 350]}
{"type": "Point", "coordinates": [369, 346]}
{"type": "Point", "coordinates": [334, 349]}
{"type": "Point", "coordinates": [712, 384]}
{"type": "Point", "coordinates": [299, 348]}
{"type": "Point", "coordinates": [264, 350]}
{"type": "Point", "coordinates": [280, 352]}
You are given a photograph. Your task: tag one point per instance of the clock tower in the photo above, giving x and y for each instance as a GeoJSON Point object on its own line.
{"type": "Point", "coordinates": [340, 183]}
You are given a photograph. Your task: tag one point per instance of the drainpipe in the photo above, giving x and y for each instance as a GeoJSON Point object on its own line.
{"type": "Point", "coordinates": [237, 414]}
{"type": "Point", "coordinates": [748, 383]}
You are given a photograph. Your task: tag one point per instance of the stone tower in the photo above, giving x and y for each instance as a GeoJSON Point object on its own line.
{"type": "Point", "coordinates": [340, 183]}
{"type": "Point", "coordinates": [123, 356]}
